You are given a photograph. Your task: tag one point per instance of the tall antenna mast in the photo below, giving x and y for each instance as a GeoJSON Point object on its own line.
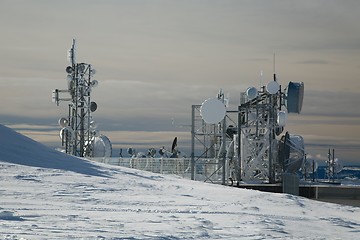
{"type": "Point", "coordinates": [72, 51]}
{"type": "Point", "coordinates": [77, 133]}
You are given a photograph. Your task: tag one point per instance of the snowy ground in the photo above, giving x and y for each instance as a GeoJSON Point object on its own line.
{"type": "Point", "coordinates": [48, 195]}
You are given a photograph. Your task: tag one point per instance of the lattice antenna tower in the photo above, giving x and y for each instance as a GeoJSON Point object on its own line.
{"type": "Point", "coordinates": [77, 131]}
{"type": "Point", "coordinates": [261, 120]}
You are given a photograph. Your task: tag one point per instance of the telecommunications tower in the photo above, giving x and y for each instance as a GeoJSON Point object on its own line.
{"type": "Point", "coordinates": [245, 144]}
{"type": "Point", "coordinates": [78, 134]}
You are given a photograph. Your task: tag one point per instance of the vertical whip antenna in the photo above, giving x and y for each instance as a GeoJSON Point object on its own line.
{"type": "Point", "coordinates": [261, 78]}
{"type": "Point", "coordinates": [71, 53]}
{"type": "Point", "coordinates": [274, 67]}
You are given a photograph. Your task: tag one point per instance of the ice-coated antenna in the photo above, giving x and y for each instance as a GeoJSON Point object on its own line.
{"type": "Point", "coordinates": [78, 133]}
{"type": "Point", "coordinates": [213, 110]}
{"type": "Point", "coordinates": [72, 51]}
{"type": "Point", "coordinates": [261, 77]}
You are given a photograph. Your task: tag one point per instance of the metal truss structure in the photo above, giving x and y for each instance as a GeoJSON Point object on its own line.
{"type": "Point", "coordinates": [244, 145]}
{"type": "Point", "coordinates": [258, 129]}
{"type": "Point", "coordinates": [77, 131]}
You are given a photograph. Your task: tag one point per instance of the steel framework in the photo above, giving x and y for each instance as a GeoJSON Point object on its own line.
{"type": "Point", "coordinates": [78, 130]}
{"type": "Point", "coordinates": [257, 139]}
{"type": "Point", "coordinates": [250, 151]}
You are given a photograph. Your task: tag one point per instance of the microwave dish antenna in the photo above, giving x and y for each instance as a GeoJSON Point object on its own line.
{"type": "Point", "coordinates": [63, 122]}
{"type": "Point", "coordinates": [294, 97]}
{"type": "Point", "coordinates": [272, 87]}
{"type": "Point", "coordinates": [94, 83]}
{"type": "Point", "coordinates": [212, 110]}
{"type": "Point", "coordinates": [93, 106]}
{"type": "Point", "coordinates": [101, 146]}
{"type": "Point", "coordinates": [251, 93]}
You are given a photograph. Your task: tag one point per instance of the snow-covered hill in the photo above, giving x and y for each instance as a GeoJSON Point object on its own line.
{"type": "Point", "coordinates": [45, 194]}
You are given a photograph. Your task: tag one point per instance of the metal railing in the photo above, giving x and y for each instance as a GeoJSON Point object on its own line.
{"type": "Point", "coordinates": [206, 169]}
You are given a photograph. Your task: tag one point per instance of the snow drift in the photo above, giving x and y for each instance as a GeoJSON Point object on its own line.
{"type": "Point", "coordinates": [49, 195]}
{"type": "Point", "coordinates": [19, 149]}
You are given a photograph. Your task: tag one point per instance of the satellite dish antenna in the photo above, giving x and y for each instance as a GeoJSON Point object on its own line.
{"type": "Point", "coordinates": [131, 151]}
{"type": "Point", "coordinates": [63, 122]}
{"type": "Point", "coordinates": [94, 83]}
{"type": "Point", "coordinates": [338, 165]}
{"type": "Point", "coordinates": [212, 110]}
{"type": "Point", "coordinates": [102, 147]}
{"type": "Point", "coordinates": [69, 69]}
{"type": "Point", "coordinates": [162, 151]}
{"type": "Point", "coordinates": [272, 87]}
{"type": "Point", "coordinates": [93, 106]}
{"type": "Point", "coordinates": [174, 145]}
{"type": "Point", "coordinates": [294, 97]}
{"type": "Point", "coordinates": [251, 93]}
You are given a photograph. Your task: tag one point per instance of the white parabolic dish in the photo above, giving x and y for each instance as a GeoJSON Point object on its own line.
{"type": "Point", "coordinates": [251, 93]}
{"type": "Point", "coordinates": [212, 110]}
{"type": "Point", "coordinates": [272, 87]}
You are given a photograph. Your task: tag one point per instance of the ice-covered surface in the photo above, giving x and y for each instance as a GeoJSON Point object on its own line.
{"type": "Point", "coordinates": [49, 195]}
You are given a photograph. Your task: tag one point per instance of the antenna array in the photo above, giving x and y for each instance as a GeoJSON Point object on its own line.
{"type": "Point", "coordinates": [78, 131]}
{"type": "Point", "coordinates": [247, 149]}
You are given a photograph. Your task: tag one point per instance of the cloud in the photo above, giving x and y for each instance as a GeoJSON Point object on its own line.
{"type": "Point", "coordinates": [315, 61]}
{"type": "Point", "coordinates": [331, 103]}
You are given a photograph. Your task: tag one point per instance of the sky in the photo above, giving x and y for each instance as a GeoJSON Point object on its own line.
{"type": "Point", "coordinates": [154, 59]}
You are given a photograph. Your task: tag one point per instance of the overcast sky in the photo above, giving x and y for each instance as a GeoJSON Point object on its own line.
{"type": "Point", "coordinates": [154, 59]}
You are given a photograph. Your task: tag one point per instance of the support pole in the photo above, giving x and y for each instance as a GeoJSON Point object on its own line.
{"type": "Point", "coordinates": [192, 142]}
{"type": "Point", "coordinates": [238, 167]}
{"type": "Point", "coordinates": [224, 155]}
{"type": "Point", "coordinates": [271, 140]}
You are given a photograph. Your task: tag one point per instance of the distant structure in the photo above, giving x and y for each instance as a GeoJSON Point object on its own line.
{"type": "Point", "coordinates": [334, 166]}
{"type": "Point", "coordinates": [245, 144]}
{"type": "Point", "coordinates": [78, 135]}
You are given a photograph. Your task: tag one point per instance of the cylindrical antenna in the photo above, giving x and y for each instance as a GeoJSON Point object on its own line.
{"type": "Point", "coordinates": [72, 52]}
